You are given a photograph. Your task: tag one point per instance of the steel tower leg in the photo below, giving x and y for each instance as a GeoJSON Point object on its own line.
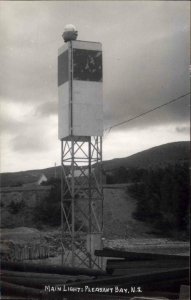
{"type": "Point", "coordinates": [81, 201]}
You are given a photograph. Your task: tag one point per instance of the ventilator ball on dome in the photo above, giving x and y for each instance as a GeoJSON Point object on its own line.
{"type": "Point", "coordinates": [70, 33]}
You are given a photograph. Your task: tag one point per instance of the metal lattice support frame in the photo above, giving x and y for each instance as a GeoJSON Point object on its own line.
{"type": "Point", "coordinates": [81, 201]}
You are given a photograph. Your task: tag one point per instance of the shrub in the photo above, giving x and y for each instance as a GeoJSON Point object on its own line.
{"type": "Point", "coordinates": [48, 211]}
{"type": "Point", "coordinates": [15, 207]}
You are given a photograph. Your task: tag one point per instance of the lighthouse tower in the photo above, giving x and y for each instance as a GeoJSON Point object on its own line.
{"type": "Point", "coordinates": [80, 130]}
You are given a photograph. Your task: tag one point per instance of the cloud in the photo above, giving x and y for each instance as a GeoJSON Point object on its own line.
{"type": "Point", "coordinates": [47, 109]}
{"type": "Point", "coordinates": [10, 125]}
{"type": "Point", "coordinates": [14, 117]}
{"type": "Point", "coordinates": [29, 144]}
{"type": "Point", "coordinates": [175, 113]}
{"type": "Point", "coordinates": [146, 53]}
{"type": "Point", "coordinates": [36, 137]}
{"type": "Point", "coordinates": [156, 74]}
{"type": "Point", "coordinates": [130, 142]}
{"type": "Point", "coordinates": [183, 129]}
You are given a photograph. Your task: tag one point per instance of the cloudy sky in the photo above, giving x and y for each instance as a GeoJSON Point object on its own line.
{"type": "Point", "coordinates": [145, 64]}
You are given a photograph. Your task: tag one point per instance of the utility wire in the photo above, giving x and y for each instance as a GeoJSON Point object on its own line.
{"type": "Point", "coordinates": [144, 113]}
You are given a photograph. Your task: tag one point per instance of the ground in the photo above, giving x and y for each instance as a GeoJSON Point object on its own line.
{"type": "Point", "coordinates": [118, 214]}
{"type": "Point", "coordinates": [121, 231]}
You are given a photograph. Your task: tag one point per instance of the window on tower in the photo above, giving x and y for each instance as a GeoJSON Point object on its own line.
{"type": "Point", "coordinates": [87, 65]}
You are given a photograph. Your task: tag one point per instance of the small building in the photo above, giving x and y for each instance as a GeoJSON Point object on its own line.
{"type": "Point", "coordinates": [42, 178]}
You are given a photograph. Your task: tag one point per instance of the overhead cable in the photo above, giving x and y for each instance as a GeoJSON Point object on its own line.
{"type": "Point", "coordinates": [146, 112]}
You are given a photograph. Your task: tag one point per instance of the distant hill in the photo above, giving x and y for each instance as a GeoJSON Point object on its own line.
{"type": "Point", "coordinates": [30, 176]}
{"type": "Point", "coordinates": [159, 156]}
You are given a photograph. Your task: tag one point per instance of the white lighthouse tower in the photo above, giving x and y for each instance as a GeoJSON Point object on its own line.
{"type": "Point", "coordinates": [80, 129]}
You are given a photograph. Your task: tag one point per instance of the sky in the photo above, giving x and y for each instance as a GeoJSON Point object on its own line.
{"type": "Point", "coordinates": [146, 57]}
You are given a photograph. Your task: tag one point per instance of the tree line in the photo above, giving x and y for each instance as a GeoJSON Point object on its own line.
{"type": "Point", "coordinates": [163, 198]}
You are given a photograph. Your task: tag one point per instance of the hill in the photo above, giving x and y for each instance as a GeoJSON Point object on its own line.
{"type": "Point", "coordinates": [30, 176]}
{"type": "Point", "coordinates": [159, 156]}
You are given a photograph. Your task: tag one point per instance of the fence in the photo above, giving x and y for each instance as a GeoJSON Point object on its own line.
{"type": "Point", "coordinates": [25, 252]}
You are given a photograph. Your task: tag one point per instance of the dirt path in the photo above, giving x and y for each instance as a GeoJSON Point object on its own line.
{"type": "Point", "coordinates": [118, 219]}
